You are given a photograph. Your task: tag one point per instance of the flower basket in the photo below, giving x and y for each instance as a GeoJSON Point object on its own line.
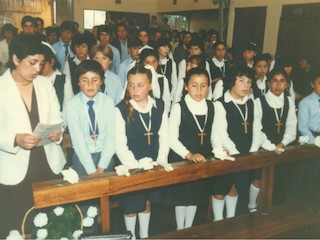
{"type": "Point", "coordinates": [56, 225]}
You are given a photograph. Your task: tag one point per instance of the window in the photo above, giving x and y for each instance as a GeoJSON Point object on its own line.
{"type": "Point", "coordinates": [93, 18]}
{"type": "Point", "coordinates": [178, 22]}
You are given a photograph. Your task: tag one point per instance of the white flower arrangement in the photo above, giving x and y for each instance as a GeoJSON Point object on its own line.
{"type": "Point", "coordinates": [59, 223]}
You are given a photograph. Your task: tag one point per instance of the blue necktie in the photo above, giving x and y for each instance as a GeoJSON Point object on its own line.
{"type": "Point", "coordinates": [92, 116]}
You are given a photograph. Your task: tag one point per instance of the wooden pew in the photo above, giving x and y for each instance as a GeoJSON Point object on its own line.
{"type": "Point", "coordinates": [55, 192]}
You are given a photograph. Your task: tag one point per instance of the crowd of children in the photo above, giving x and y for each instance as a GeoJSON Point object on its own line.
{"type": "Point", "coordinates": [129, 101]}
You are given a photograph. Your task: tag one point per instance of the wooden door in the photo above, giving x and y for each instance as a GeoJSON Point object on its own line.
{"type": "Point", "coordinates": [249, 25]}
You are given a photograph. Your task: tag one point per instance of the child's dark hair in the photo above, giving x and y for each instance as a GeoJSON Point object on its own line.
{"type": "Point", "coordinates": [148, 52]}
{"type": "Point", "coordinates": [192, 72]}
{"type": "Point", "coordinates": [89, 66]}
{"type": "Point", "coordinates": [281, 71]}
{"type": "Point", "coordinates": [24, 45]}
{"type": "Point", "coordinates": [196, 42]}
{"type": "Point", "coordinates": [201, 62]}
{"type": "Point", "coordinates": [162, 42]}
{"type": "Point", "coordinates": [133, 71]}
{"type": "Point", "coordinates": [283, 61]}
{"type": "Point", "coordinates": [277, 71]}
{"type": "Point", "coordinates": [80, 38]}
{"type": "Point", "coordinates": [259, 58]}
{"type": "Point", "coordinates": [238, 71]}
{"type": "Point", "coordinates": [217, 43]}
{"type": "Point", "coordinates": [314, 77]}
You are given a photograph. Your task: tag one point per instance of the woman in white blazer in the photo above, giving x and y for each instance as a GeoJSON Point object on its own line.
{"type": "Point", "coordinates": [25, 100]}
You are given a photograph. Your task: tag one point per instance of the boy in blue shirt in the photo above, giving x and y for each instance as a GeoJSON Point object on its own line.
{"type": "Point", "coordinates": [91, 121]}
{"type": "Point", "coordinates": [304, 174]}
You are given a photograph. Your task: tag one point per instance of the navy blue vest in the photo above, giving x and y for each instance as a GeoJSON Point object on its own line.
{"type": "Point", "coordinates": [269, 120]}
{"type": "Point", "coordinates": [74, 82]}
{"type": "Point", "coordinates": [257, 91]}
{"type": "Point", "coordinates": [135, 131]}
{"type": "Point", "coordinates": [235, 129]}
{"type": "Point", "coordinates": [188, 132]}
{"type": "Point", "coordinates": [168, 72]}
{"type": "Point", "coordinates": [59, 87]}
{"type": "Point", "coordinates": [216, 72]}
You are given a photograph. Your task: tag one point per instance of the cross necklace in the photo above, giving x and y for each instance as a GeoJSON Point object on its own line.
{"type": "Point", "coordinates": [148, 133]}
{"type": "Point", "coordinates": [93, 128]}
{"type": "Point", "coordinates": [202, 133]}
{"type": "Point", "coordinates": [245, 123]}
{"type": "Point", "coordinates": [278, 118]}
{"type": "Point", "coordinates": [163, 71]}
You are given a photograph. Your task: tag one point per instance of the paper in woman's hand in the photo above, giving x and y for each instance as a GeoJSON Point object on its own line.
{"type": "Point", "coordinates": [43, 131]}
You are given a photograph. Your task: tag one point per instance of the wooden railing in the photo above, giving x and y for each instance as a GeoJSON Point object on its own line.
{"type": "Point", "coordinates": [56, 192]}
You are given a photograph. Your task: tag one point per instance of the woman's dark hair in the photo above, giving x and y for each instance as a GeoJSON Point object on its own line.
{"type": "Point", "coordinates": [148, 52]}
{"type": "Point", "coordinates": [238, 71]}
{"type": "Point", "coordinates": [133, 71]}
{"type": "Point", "coordinates": [24, 45]}
{"type": "Point", "coordinates": [162, 42]}
{"type": "Point", "coordinates": [199, 59]}
{"type": "Point", "coordinates": [89, 66]}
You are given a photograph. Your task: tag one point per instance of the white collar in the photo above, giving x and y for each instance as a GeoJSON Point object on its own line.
{"type": "Point", "coordinates": [150, 105]}
{"type": "Point", "coordinates": [197, 108]}
{"type": "Point", "coordinates": [77, 61]}
{"type": "Point", "coordinates": [217, 62]}
{"type": "Point", "coordinates": [164, 61]}
{"type": "Point", "coordinates": [276, 101]}
{"type": "Point", "coordinates": [228, 98]}
{"type": "Point", "coordinates": [54, 74]}
{"type": "Point", "coordinates": [262, 85]}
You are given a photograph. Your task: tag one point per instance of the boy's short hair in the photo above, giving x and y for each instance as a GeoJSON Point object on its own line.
{"type": "Point", "coordinates": [89, 66]}
{"type": "Point", "coordinates": [28, 19]}
{"type": "Point", "coordinates": [259, 58]}
{"type": "Point", "coordinates": [105, 29]}
{"type": "Point", "coordinates": [80, 38]}
{"type": "Point", "coordinates": [105, 50]}
{"type": "Point", "coordinates": [217, 43]}
{"type": "Point", "coordinates": [67, 25]}
{"type": "Point", "coordinates": [135, 42]}
{"type": "Point", "coordinates": [52, 29]}
{"type": "Point", "coordinates": [148, 52]}
{"type": "Point", "coordinates": [314, 77]}
{"type": "Point", "coordinates": [238, 71]}
{"type": "Point", "coordinates": [251, 46]}
{"type": "Point", "coordinates": [276, 71]}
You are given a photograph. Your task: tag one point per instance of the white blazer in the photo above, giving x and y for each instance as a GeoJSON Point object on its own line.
{"type": "Point", "coordinates": [14, 119]}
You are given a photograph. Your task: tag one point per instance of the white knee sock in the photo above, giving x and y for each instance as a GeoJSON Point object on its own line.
{"type": "Point", "coordinates": [180, 216]}
{"type": "Point", "coordinates": [190, 213]}
{"type": "Point", "coordinates": [144, 219]}
{"type": "Point", "coordinates": [217, 208]}
{"type": "Point", "coordinates": [231, 204]}
{"type": "Point", "coordinates": [253, 196]}
{"type": "Point", "coordinates": [130, 223]}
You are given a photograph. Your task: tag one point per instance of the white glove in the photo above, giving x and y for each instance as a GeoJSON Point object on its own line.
{"type": "Point", "coordinates": [268, 146]}
{"type": "Point", "coordinates": [70, 175]}
{"type": "Point", "coordinates": [222, 155]}
{"type": "Point", "coordinates": [122, 170]}
{"type": "Point", "coordinates": [317, 141]}
{"type": "Point", "coordinates": [147, 163]}
{"type": "Point", "coordinates": [167, 166]}
{"type": "Point", "coordinates": [303, 140]}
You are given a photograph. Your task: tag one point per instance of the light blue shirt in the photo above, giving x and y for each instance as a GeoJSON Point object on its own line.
{"type": "Point", "coordinates": [309, 116]}
{"type": "Point", "coordinates": [59, 48]}
{"type": "Point", "coordinates": [123, 70]}
{"type": "Point", "coordinates": [124, 50]}
{"type": "Point", "coordinates": [116, 59]}
{"type": "Point", "coordinates": [79, 129]}
{"type": "Point", "coordinates": [113, 86]}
